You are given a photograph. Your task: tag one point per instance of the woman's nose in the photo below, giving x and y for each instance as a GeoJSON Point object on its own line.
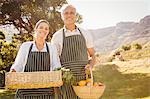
{"type": "Point", "coordinates": [43, 30]}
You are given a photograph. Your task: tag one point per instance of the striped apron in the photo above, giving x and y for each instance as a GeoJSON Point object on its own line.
{"type": "Point", "coordinates": [74, 56]}
{"type": "Point", "coordinates": [37, 61]}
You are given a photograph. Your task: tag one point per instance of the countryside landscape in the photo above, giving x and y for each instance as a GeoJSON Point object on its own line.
{"type": "Point", "coordinates": [127, 79]}
{"type": "Point", "coordinates": [122, 53]}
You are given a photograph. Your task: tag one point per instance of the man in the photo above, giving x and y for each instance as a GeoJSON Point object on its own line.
{"type": "Point", "coordinates": [74, 45]}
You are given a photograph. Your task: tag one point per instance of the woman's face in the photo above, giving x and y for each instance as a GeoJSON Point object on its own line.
{"type": "Point", "coordinates": [42, 30]}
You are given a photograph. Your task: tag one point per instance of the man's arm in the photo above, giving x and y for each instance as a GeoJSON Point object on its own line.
{"type": "Point", "coordinates": [91, 52]}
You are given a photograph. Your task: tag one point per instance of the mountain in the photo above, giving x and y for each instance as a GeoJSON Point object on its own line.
{"type": "Point", "coordinates": [110, 38]}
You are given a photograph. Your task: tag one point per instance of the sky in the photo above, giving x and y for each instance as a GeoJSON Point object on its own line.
{"type": "Point", "coordinates": [104, 13]}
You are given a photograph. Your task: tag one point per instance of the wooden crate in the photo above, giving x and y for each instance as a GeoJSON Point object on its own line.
{"type": "Point", "coordinates": [29, 80]}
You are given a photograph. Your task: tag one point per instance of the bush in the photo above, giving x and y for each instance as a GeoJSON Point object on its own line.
{"type": "Point", "coordinates": [2, 35]}
{"type": "Point", "coordinates": [2, 78]}
{"type": "Point", "coordinates": [126, 47]}
{"type": "Point", "coordinates": [137, 46]}
{"type": "Point", "coordinates": [22, 38]}
{"type": "Point", "coordinates": [110, 59]}
{"type": "Point", "coordinates": [8, 53]}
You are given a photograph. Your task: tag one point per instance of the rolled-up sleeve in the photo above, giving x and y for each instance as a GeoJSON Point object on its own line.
{"type": "Point", "coordinates": [89, 40]}
{"type": "Point", "coordinates": [55, 63]}
{"type": "Point", "coordinates": [57, 40]}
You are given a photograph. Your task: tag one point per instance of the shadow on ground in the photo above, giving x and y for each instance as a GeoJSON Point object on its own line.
{"type": "Point", "coordinates": [122, 86]}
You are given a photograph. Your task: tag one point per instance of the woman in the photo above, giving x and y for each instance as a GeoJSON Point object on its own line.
{"type": "Point", "coordinates": [33, 56]}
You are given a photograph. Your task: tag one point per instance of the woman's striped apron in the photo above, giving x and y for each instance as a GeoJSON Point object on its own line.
{"type": "Point", "coordinates": [37, 61]}
{"type": "Point", "coordinates": [74, 57]}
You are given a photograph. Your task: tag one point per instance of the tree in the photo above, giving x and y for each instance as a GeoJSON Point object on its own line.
{"type": "Point", "coordinates": [23, 14]}
{"type": "Point", "coordinates": [2, 35]}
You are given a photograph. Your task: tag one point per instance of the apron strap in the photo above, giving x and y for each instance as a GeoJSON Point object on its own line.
{"type": "Point", "coordinates": [30, 48]}
{"type": "Point", "coordinates": [47, 48]}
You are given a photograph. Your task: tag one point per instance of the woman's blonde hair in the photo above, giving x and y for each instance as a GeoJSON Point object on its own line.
{"type": "Point", "coordinates": [41, 21]}
{"type": "Point", "coordinates": [37, 24]}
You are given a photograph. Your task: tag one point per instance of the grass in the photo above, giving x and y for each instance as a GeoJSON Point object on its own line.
{"type": "Point", "coordinates": [118, 85]}
{"type": "Point", "coordinates": [6, 94]}
{"type": "Point", "coordinates": [122, 86]}
{"type": "Point", "coordinates": [137, 54]}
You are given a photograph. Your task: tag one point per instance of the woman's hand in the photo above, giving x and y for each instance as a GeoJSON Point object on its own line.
{"type": "Point", "coordinates": [12, 70]}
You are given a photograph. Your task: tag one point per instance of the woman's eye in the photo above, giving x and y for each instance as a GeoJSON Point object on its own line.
{"type": "Point", "coordinates": [41, 27]}
{"type": "Point", "coordinates": [45, 28]}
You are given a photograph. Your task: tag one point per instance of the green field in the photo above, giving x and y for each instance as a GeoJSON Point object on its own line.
{"type": "Point", "coordinates": [122, 86]}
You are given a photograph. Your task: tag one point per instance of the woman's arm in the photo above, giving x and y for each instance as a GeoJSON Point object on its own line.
{"type": "Point", "coordinates": [21, 58]}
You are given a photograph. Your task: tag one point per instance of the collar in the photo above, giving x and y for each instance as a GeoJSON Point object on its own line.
{"type": "Point", "coordinates": [66, 30]}
{"type": "Point", "coordinates": [34, 45]}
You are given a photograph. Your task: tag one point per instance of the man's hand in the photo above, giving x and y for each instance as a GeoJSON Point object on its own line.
{"type": "Point", "coordinates": [91, 52]}
{"type": "Point", "coordinates": [12, 70]}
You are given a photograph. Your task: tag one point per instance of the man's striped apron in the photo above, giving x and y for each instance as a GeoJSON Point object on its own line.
{"type": "Point", "coordinates": [74, 56]}
{"type": "Point", "coordinates": [37, 61]}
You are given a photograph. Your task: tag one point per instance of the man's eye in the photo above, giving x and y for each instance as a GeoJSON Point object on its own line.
{"type": "Point", "coordinates": [66, 13]}
{"type": "Point", "coordinates": [71, 13]}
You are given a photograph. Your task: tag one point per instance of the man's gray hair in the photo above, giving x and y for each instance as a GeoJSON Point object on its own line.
{"type": "Point", "coordinates": [64, 7]}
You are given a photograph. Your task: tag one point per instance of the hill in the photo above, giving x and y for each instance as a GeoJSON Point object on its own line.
{"type": "Point", "coordinates": [110, 38]}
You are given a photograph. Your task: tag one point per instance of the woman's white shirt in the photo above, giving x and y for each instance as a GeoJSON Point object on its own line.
{"type": "Point", "coordinates": [21, 58]}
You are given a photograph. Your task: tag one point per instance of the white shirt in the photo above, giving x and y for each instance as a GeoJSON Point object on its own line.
{"type": "Point", "coordinates": [57, 38]}
{"type": "Point", "coordinates": [22, 56]}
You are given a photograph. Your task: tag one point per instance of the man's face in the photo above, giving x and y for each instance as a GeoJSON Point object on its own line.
{"type": "Point", "coordinates": [69, 15]}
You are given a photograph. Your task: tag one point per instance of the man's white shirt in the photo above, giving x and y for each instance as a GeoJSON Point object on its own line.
{"type": "Point", "coordinates": [57, 38]}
